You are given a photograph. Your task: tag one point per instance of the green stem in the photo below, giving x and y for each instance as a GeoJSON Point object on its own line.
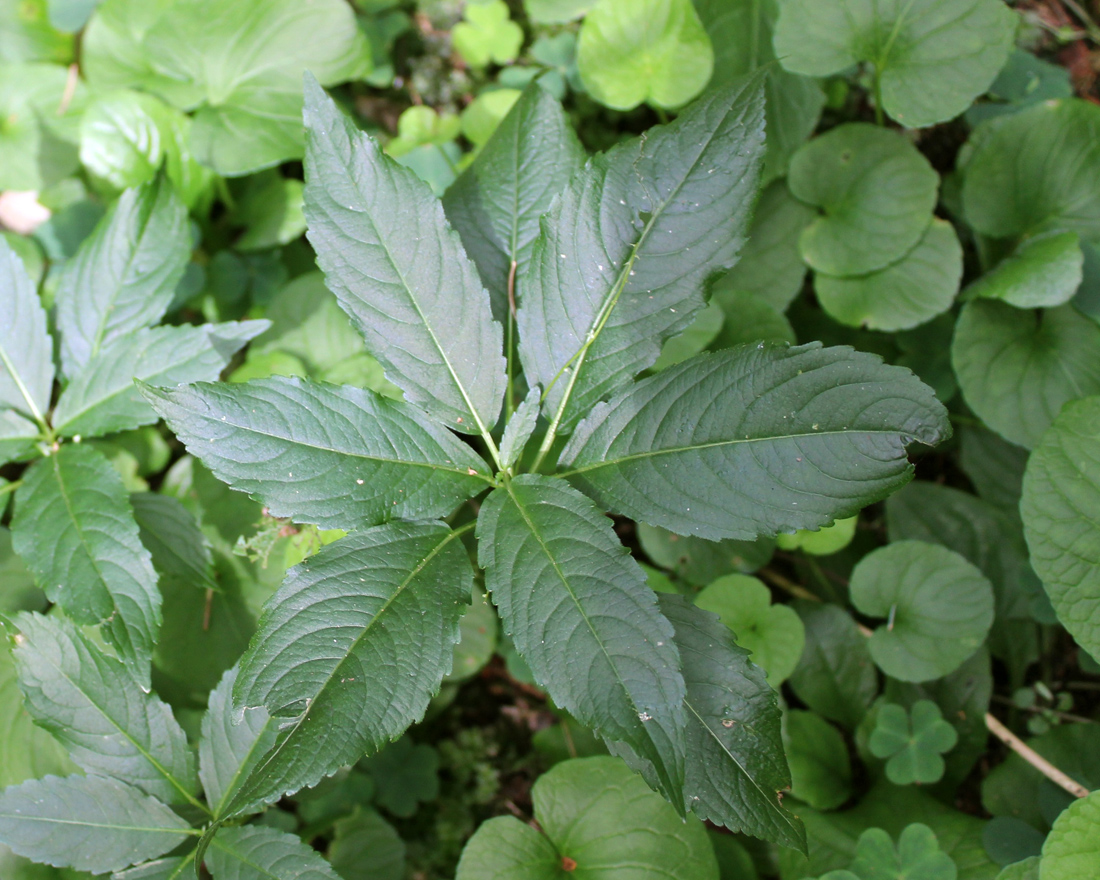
{"type": "Point", "coordinates": [880, 119]}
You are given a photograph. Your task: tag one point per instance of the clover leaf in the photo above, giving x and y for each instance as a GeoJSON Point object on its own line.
{"type": "Point", "coordinates": [917, 856]}
{"type": "Point", "coordinates": [913, 742]}
{"type": "Point", "coordinates": [487, 35]}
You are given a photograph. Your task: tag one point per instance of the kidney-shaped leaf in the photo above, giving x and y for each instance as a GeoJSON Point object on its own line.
{"type": "Point", "coordinates": [337, 456]}
{"type": "Point", "coordinates": [877, 193]}
{"type": "Point", "coordinates": [932, 57]}
{"type": "Point", "coordinates": [755, 440]}
{"type": "Point", "coordinates": [1061, 512]}
{"type": "Point", "coordinates": [938, 608]}
{"type": "Point", "coordinates": [598, 821]}
{"type": "Point", "coordinates": [581, 614]}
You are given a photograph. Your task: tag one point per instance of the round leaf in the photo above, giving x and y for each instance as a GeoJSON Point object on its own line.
{"type": "Point", "coordinates": [1072, 849]}
{"type": "Point", "coordinates": [773, 634]}
{"type": "Point", "coordinates": [1061, 512]}
{"type": "Point", "coordinates": [1035, 171]}
{"type": "Point", "coordinates": [932, 57]}
{"type": "Point", "coordinates": [905, 294]}
{"type": "Point", "coordinates": [1043, 271]}
{"type": "Point", "coordinates": [1016, 369]}
{"type": "Point", "coordinates": [636, 51]}
{"type": "Point", "coordinates": [877, 193]}
{"type": "Point", "coordinates": [938, 608]}
{"type": "Point", "coordinates": [823, 542]}
{"type": "Point", "coordinates": [599, 820]}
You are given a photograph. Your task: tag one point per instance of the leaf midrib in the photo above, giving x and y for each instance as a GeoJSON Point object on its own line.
{"type": "Point", "coordinates": [718, 444]}
{"type": "Point", "coordinates": [22, 817]}
{"type": "Point", "coordinates": [657, 766]}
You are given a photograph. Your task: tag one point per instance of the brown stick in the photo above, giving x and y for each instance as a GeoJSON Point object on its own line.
{"type": "Point", "coordinates": [1034, 758]}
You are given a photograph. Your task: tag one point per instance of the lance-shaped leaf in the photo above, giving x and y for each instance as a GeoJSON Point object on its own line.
{"type": "Point", "coordinates": [755, 440]}
{"type": "Point", "coordinates": [338, 456]}
{"type": "Point", "coordinates": [253, 852]}
{"type": "Point", "coordinates": [169, 868]}
{"type": "Point", "coordinates": [93, 706]}
{"type": "Point", "coordinates": [124, 276]}
{"type": "Point", "coordinates": [26, 350]}
{"type": "Point", "coordinates": [580, 612]}
{"type": "Point", "coordinates": [735, 766]}
{"type": "Point", "coordinates": [75, 529]}
{"type": "Point", "coordinates": [181, 552]}
{"type": "Point", "coordinates": [624, 252]}
{"type": "Point", "coordinates": [232, 742]}
{"type": "Point", "coordinates": [1061, 512]}
{"type": "Point", "coordinates": [87, 822]}
{"type": "Point", "coordinates": [17, 435]}
{"type": "Point", "coordinates": [400, 271]}
{"type": "Point", "coordinates": [350, 649]}
{"type": "Point", "coordinates": [496, 203]}
{"type": "Point", "coordinates": [102, 398]}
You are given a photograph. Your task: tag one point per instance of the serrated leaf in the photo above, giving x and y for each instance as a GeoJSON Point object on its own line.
{"type": "Point", "coordinates": [519, 428]}
{"type": "Point", "coordinates": [1036, 171]}
{"type": "Point", "coordinates": [350, 649]}
{"type": "Point", "coordinates": [38, 146]}
{"type": "Point", "coordinates": [634, 51]}
{"type": "Point", "coordinates": [905, 294]}
{"type": "Point", "coordinates": [337, 456]}
{"type": "Point", "coordinates": [99, 711]}
{"type": "Point", "coordinates": [1059, 508]}
{"type": "Point", "coordinates": [74, 527]}
{"type": "Point", "coordinates": [231, 744]}
{"type": "Point", "coordinates": [17, 436]}
{"type": "Point", "coordinates": [170, 868]}
{"type": "Point", "coordinates": [253, 852]}
{"type": "Point", "coordinates": [611, 276]}
{"type": "Point", "coordinates": [755, 440]}
{"type": "Point", "coordinates": [1074, 841]}
{"type": "Point", "coordinates": [180, 551]}
{"type": "Point", "coordinates": [741, 33]}
{"type": "Point", "coordinates": [598, 817]}
{"type": "Point", "coordinates": [580, 613]}
{"type": "Point", "coordinates": [931, 57]}
{"type": "Point", "coordinates": [250, 98]}
{"type": "Point", "coordinates": [877, 192]}
{"type": "Point", "coordinates": [124, 275]}
{"type": "Point", "coordinates": [402, 276]}
{"type": "Point", "coordinates": [938, 608]}
{"type": "Point", "coordinates": [87, 822]}
{"type": "Point", "coordinates": [103, 399]}
{"type": "Point", "coordinates": [1042, 271]}
{"type": "Point", "coordinates": [1016, 369]}
{"type": "Point", "coordinates": [735, 766]}
{"type": "Point", "coordinates": [496, 203]}
{"type": "Point", "coordinates": [26, 350]}
{"type": "Point", "coordinates": [835, 675]}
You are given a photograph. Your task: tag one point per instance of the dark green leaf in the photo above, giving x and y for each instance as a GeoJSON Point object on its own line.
{"type": "Point", "coordinates": [735, 766]}
{"type": "Point", "coordinates": [102, 397]}
{"type": "Point", "coordinates": [179, 550]}
{"type": "Point", "coordinates": [496, 203]}
{"type": "Point", "coordinates": [256, 853]}
{"type": "Point", "coordinates": [1061, 510]}
{"type": "Point", "coordinates": [697, 561]}
{"type": "Point", "coordinates": [402, 275]}
{"type": "Point", "coordinates": [580, 613]}
{"type": "Point", "coordinates": [75, 529]}
{"type": "Point", "coordinates": [821, 774]}
{"type": "Point", "coordinates": [1016, 369]}
{"type": "Point", "coordinates": [366, 847]}
{"type": "Point", "coordinates": [836, 676]}
{"type": "Point", "coordinates": [87, 822]}
{"type": "Point", "coordinates": [26, 350]}
{"type": "Point", "coordinates": [755, 440]}
{"type": "Point", "coordinates": [917, 855]}
{"type": "Point", "coordinates": [624, 252]}
{"type": "Point", "coordinates": [93, 705]}
{"type": "Point", "coordinates": [124, 275]}
{"type": "Point", "coordinates": [913, 742]}
{"type": "Point", "coordinates": [396, 592]}
{"type": "Point", "coordinates": [404, 775]}
{"type": "Point", "coordinates": [341, 457]}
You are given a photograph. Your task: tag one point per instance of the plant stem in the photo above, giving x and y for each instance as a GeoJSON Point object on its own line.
{"type": "Point", "coordinates": [1039, 710]}
{"type": "Point", "coordinates": [1034, 758]}
{"type": "Point", "coordinates": [879, 118]}
{"type": "Point", "coordinates": [1087, 20]}
{"type": "Point", "coordinates": [786, 584]}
